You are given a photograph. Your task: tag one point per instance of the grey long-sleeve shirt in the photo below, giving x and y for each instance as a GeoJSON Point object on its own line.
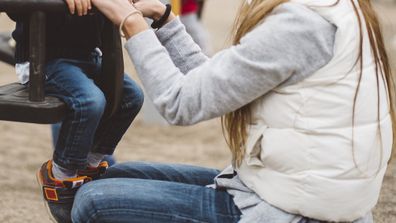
{"type": "Point", "coordinates": [187, 87]}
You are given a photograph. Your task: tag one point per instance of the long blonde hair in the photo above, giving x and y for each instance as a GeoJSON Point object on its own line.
{"type": "Point", "coordinates": [235, 124]}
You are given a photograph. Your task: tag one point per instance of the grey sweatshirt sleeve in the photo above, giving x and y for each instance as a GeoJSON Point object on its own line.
{"type": "Point", "coordinates": [184, 52]}
{"type": "Point", "coordinates": [291, 44]}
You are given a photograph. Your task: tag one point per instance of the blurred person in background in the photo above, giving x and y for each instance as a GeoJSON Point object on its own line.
{"type": "Point", "coordinates": [73, 60]}
{"type": "Point", "coordinates": [190, 16]}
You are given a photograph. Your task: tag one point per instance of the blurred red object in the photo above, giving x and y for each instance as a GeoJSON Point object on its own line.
{"type": "Point", "coordinates": [189, 6]}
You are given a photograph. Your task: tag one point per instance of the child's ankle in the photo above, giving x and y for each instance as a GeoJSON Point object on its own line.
{"type": "Point", "coordinates": [61, 173]}
{"type": "Point", "coordinates": [94, 159]}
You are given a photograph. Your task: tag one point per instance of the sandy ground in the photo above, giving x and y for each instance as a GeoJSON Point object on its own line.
{"type": "Point", "coordinates": [23, 147]}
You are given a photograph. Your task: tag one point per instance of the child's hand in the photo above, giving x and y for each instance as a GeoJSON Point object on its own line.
{"type": "Point", "coordinates": [82, 6]}
{"type": "Point", "coordinates": [115, 10]}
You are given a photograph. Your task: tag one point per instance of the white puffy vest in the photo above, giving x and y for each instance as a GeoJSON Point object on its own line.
{"type": "Point", "coordinates": [300, 156]}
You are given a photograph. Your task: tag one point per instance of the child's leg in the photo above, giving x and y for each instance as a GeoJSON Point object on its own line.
{"type": "Point", "coordinates": [66, 79]}
{"type": "Point", "coordinates": [110, 131]}
{"type": "Point", "coordinates": [55, 129]}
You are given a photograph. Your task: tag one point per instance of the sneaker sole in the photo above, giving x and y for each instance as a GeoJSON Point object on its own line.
{"type": "Point", "coordinates": [38, 178]}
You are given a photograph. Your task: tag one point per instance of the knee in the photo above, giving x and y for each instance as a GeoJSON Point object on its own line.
{"type": "Point", "coordinates": [84, 204]}
{"type": "Point", "coordinates": [95, 200]}
{"type": "Point", "coordinates": [91, 103]}
{"type": "Point", "coordinates": [133, 99]}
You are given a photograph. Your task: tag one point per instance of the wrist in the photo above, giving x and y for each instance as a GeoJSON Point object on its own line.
{"type": "Point", "coordinates": [133, 25]}
{"type": "Point", "coordinates": [164, 18]}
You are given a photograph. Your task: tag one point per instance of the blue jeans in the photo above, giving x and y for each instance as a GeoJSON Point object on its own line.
{"type": "Point", "coordinates": [55, 129]}
{"type": "Point", "coordinates": [148, 192]}
{"type": "Point", "coordinates": [83, 129]}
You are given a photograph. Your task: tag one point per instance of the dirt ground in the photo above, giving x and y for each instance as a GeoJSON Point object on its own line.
{"type": "Point", "coordinates": [23, 147]}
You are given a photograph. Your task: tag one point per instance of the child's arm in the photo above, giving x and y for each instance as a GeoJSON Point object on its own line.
{"type": "Point", "coordinates": [82, 6]}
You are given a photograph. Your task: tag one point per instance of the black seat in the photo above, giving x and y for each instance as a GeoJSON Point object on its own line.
{"type": "Point", "coordinates": [14, 102]}
{"type": "Point", "coordinates": [29, 104]}
{"type": "Point", "coordinates": [16, 106]}
{"type": "Point", "coordinates": [32, 5]}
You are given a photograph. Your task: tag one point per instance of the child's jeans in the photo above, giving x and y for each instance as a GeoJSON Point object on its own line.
{"type": "Point", "coordinates": [83, 129]}
{"type": "Point", "coordinates": [55, 129]}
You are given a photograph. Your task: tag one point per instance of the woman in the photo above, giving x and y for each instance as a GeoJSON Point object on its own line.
{"type": "Point", "coordinates": [307, 101]}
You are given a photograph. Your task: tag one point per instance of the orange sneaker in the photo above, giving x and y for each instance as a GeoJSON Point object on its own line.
{"type": "Point", "coordinates": [94, 172]}
{"type": "Point", "coordinates": [58, 194]}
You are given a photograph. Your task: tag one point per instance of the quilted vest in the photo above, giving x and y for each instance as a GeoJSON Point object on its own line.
{"type": "Point", "coordinates": [304, 154]}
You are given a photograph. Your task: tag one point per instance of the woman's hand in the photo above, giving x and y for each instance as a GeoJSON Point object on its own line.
{"type": "Point", "coordinates": [82, 6]}
{"type": "Point", "coordinates": [152, 9]}
{"type": "Point", "coordinates": [122, 11]}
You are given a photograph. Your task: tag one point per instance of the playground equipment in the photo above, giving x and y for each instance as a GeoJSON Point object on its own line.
{"type": "Point", "coordinates": [6, 48]}
{"type": "Point", "coordinates": [28, 103]}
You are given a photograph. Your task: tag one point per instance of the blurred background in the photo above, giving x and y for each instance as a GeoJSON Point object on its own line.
{"type": "Point", "coordinates": [24, 147]}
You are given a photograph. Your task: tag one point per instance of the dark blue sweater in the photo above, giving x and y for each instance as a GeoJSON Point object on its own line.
{"type": "Point", "coordinates": [67, 36]}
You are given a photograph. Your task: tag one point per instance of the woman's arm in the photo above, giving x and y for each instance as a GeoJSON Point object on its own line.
{"type": "Point", "coordinates": [292, 41]}
{"type": "Point", "coordinates": [185, 53]}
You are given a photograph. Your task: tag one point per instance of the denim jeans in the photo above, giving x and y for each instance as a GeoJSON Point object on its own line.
{"type": "Point", "coordinates": [149, 192]}
{"type": "Point", "coordinates": [55, 130]}
{"type": "Point", "coordinates": [83, 129]}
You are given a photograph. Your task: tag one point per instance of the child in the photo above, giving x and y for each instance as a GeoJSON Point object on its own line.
{"type": "Point", "coordinates": [73, 60]}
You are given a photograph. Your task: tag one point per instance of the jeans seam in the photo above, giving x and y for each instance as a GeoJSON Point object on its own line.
{"type": "Point", "coordinates": [103, 150]}
{"type": "Point", "coordinates": [75, 115]}
{"type": "Point", "coordinates": [103, 138]}
{"type": "Point", "coordinates": [101, 142]}
{"type": "Point", "coordinates": [112, 211]}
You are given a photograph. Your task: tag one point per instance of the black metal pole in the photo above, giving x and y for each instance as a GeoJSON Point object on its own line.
{"type": "Point", "coordinates": [37, 56]}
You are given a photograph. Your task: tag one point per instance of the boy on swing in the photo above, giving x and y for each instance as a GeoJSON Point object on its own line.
{"type": "Point", "coordinates": [73, 60]}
